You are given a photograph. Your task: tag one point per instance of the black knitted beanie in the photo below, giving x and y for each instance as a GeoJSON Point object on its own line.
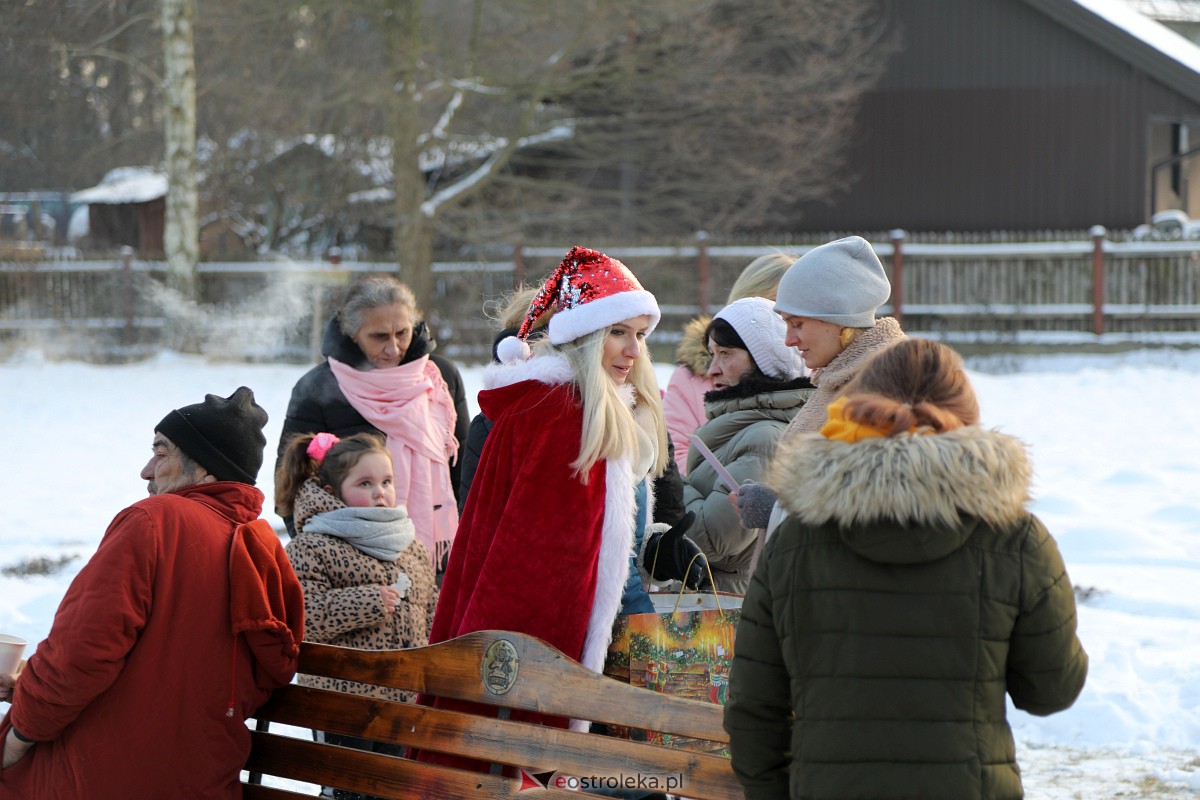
{"type": "Point", "coordinates": [223, 434]}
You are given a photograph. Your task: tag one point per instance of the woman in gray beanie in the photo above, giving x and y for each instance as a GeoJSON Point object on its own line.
{"type": "Point", "coordinates": [759, 387]}
{"type": "Point", "coordinates": [828, 299]}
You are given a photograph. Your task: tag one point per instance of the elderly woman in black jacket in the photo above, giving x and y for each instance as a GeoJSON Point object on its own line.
{"type": "Point", "coordinates": [380, 374]}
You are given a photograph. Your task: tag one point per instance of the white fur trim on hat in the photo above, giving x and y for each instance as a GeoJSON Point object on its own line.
{"type": "Point", "coordinates": [763, 331]}
{"type": "Point", "coordinates": [569, 324]}
{"type": "Point", "coordinates": [841, 282]}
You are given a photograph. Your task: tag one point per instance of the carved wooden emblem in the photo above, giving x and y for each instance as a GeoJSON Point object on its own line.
{"type": "Point", "coordinates": [500, 667]}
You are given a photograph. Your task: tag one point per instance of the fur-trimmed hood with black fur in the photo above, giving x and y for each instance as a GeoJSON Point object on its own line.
{"type": "Point", "coordinates": [936, 487]}
{"type": "Point", "coordinates": [745, 393]}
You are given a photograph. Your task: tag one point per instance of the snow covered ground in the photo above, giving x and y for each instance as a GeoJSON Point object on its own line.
{"type": "Point", "coordinates": [1116, 448]}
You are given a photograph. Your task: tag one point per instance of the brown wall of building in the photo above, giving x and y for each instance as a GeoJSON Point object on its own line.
{"type": "Point", "coordinates": [137, 225]}
{"type": "Point", "coordinates": [996, 117]}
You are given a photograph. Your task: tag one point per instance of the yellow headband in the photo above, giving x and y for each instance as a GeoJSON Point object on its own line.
{"type": "Point", "coordinates": [840, 429]}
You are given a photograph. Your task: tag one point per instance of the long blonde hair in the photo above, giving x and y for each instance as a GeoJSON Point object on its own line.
{"type": "Point", "coordinates": [609, 428]}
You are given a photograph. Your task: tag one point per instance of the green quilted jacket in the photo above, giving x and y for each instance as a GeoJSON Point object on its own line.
{"type": "Point", "coordinates": [907, 591]}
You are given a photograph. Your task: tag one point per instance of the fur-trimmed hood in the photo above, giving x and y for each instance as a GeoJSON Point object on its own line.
{"type": "Point", "coordinates": [692, 350]}
{"type": "Point", "coordinates": [758, 393]}
{"type": "Point", "coordinates": [905, 499]}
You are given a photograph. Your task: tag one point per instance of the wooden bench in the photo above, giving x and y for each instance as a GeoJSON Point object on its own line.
{"type": "Point", "coordinates": [497, 668]}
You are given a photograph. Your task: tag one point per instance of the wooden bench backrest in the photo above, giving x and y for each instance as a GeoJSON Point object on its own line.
{"type": "Point", "coordinates": [496, 668]}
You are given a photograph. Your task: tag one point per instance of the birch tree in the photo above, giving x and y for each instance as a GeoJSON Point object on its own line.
{"type": "Point", "coordinates": [428, 125]}
{"type": "Point", "coordinates": [180, 233]}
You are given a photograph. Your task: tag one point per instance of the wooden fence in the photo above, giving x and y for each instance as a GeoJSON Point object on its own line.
{"type": "Point", "coordinates": [1011, 294]}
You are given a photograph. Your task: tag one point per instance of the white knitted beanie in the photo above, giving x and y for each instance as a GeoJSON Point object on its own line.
{"type": "Point", "coordinates": [763, 331]}
{"type": "Point", "coordinates": [840, 282]}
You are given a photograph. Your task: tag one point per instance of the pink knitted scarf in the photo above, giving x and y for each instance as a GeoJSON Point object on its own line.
{"type": "Point", "coordinates": [412, 405]}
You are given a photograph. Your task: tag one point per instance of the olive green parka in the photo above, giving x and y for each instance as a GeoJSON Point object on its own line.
{"type": "Point", "coordinates": [906, 592]}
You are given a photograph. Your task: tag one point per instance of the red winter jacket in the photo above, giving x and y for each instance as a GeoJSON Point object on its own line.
{"type": "Point", "coordinates": [142, 688]}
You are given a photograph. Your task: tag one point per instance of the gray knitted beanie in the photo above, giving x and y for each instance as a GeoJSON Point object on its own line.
{"type": "Point", "coordinates": [841, 282]}
{"type": "Point", "coordinates": [764, 332]}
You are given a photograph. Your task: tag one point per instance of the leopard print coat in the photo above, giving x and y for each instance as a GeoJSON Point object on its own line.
{"type": "Point", "coordinates": [341, 585]}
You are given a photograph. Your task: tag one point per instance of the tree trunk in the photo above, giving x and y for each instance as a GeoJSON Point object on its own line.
{"type": "Point", "coordinates": [181, 239]}
{"type": "Point", "coordinates": [414, 253]}
{"type": "Point", "coordinates": [414, 228]}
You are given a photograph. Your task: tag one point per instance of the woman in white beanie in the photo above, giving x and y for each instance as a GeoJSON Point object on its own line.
{"type": "Point", "coordinates": [758, 388]}
{"type": "Point", "coordinates": [683, 402]}
{"type": "Point", "coordinates": [828, 299]}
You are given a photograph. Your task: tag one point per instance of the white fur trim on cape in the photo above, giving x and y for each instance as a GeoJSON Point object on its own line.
{"type": "Point", "coordinates": [550, 369]}
{"type": "Point", "coordinates": [569, 325]}
{"type": "Point", "coordinates": [612, 568]}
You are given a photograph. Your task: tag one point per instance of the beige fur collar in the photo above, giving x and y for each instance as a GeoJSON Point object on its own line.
{"type": "Point", "coordinates": [909, 479]}
{"type": "Point", "coordinates": [692, 350]}
{"type": "Point", "coordinates": [846, 365]}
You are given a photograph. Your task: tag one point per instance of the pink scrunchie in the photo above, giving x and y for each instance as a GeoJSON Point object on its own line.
{"type": "Point", "coordinates": [320, 445]}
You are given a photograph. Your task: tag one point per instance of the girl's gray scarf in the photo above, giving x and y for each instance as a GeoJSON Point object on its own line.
{"type": "Point", "coordinates": [382, 533]}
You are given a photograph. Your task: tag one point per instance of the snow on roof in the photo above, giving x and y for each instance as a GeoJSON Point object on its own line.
{"type": "Point", "coordinates": [125, 185]}
{"type": "Point", "coordinates": [1153, 33]}
{"type": "Point", "coordinates": [1173, 10]}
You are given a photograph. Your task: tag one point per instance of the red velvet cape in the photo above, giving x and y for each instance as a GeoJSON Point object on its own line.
{"type": "Point", "coordinates": [537, 550]}
{"type": "Point", "coordinates": [526, 552]}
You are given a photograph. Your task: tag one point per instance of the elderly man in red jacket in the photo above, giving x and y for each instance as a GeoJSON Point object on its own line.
{"type": "Point", "coordinates": [170, 637]}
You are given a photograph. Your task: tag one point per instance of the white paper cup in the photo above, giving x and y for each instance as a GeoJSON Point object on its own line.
{"type": "Point", "coordinates": [11, 650]}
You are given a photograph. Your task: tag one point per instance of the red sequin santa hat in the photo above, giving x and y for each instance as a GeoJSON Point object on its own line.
{"type": "Point", "coordinates": [590, 291]}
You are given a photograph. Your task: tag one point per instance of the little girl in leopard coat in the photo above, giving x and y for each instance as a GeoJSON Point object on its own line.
{"type": "Point", "coordinates": [368, 582]}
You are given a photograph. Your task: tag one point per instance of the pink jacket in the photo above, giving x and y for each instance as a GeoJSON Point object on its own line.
{"type": "Point", "coordinates": [683, 408]}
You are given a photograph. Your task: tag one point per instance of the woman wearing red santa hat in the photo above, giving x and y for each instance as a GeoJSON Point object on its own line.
{"type": "Point", "coordinates": [544, 541]}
